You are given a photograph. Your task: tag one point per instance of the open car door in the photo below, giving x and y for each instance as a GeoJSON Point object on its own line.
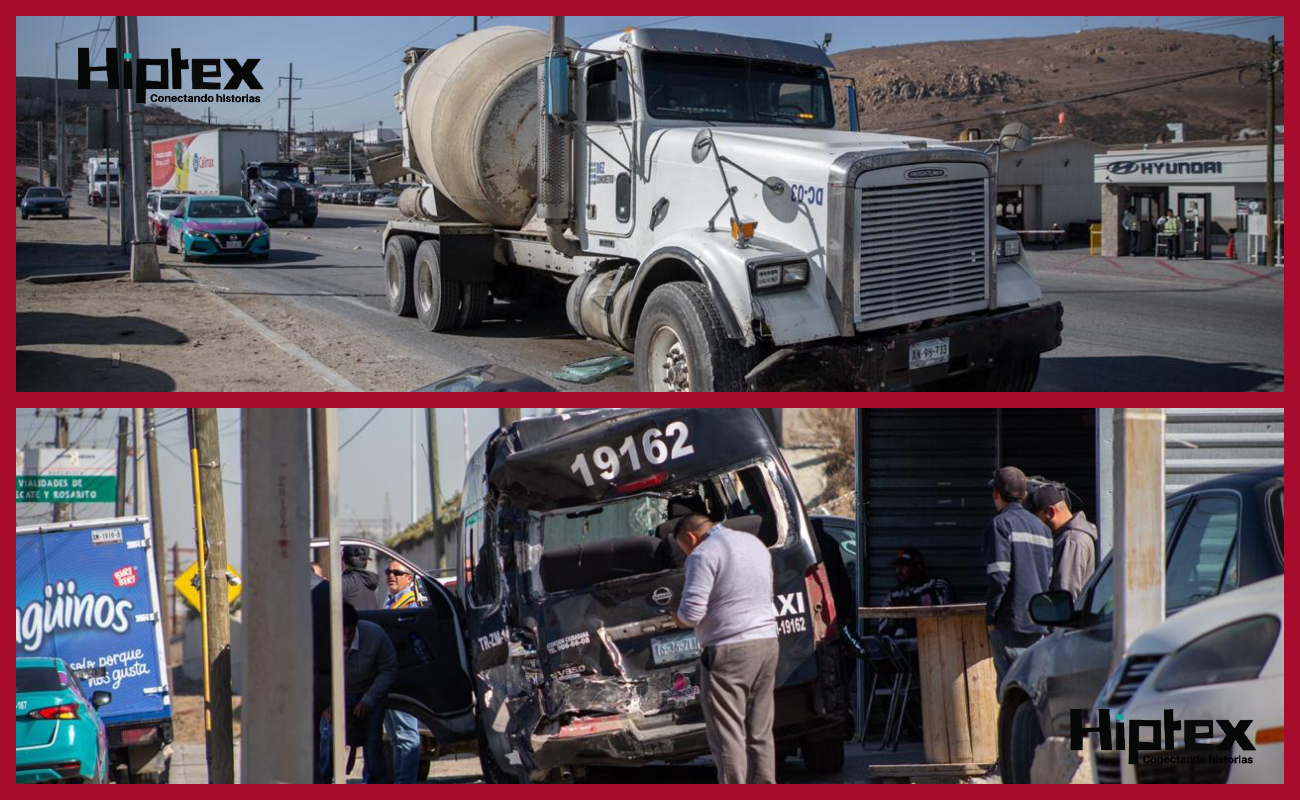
{"type": "Point", "coordinates": [433, 680]}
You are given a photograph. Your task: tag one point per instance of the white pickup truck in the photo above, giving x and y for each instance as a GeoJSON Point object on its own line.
{"type": "Point", "coordinates": [694, 194]}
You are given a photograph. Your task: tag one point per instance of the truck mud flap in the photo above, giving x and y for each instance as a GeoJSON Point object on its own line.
{"type": "Point", "coordinates": [466, 253]}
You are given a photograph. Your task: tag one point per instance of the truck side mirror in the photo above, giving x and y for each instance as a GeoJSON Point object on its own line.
{"type": "Point", "coordinates": [1052, 608]}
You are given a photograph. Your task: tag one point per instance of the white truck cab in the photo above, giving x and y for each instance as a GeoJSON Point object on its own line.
{"type": "Point", "coordinates": [718, 224]}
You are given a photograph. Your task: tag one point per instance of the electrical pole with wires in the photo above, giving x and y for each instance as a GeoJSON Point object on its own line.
{"type": "Point", "coordinates": [62, 511]}
{"type": "Point", "coordinates": [1270, 199]}
{"type": "Point", "coordinates": [288, 148]}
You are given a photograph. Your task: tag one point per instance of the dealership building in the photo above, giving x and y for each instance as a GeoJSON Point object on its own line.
{"type": "Point", "coordinates": [1216, 187]}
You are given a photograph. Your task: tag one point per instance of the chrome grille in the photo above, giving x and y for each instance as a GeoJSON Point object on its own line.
{"type": "Point", "coordinates": [923, 251]}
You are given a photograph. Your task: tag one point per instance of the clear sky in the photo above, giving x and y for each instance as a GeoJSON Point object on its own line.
{"type": "Point", "coordinates": [374, 469]}
{"type": "Point", "coordinates": [350, 65]}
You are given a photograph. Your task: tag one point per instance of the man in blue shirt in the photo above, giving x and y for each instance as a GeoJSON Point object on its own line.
{"type": "Point", "coordinates": [1018, 561]}
{"type": "Point", "coordinates": [727, 599]}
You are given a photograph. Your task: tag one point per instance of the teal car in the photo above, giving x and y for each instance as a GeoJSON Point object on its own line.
{"type": "Point", "coordinates": [61, 738]}
{"type": "Point", "coordinates": [217, 225]}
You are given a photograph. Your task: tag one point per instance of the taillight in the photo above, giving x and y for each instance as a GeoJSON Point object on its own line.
{"type": "Point", "coordinates": [67, 711]}
{"type": "Point", "coordinates": [825, 625]}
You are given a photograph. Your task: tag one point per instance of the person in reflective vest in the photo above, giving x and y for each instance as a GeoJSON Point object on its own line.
{"type": "Point", "coordinates": [1171, 228]}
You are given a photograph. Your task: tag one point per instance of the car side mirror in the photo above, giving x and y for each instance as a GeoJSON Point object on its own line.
{"type": "Point", "coordinates": [1052, 608]}
{"type": "Point", "coordinates": [99, 699]}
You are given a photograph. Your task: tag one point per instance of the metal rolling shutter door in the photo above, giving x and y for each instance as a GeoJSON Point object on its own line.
{"type": "Point", "coordinates": [1205, 443]}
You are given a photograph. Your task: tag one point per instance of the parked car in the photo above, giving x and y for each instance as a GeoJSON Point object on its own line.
{"type": "Point", "coordinates": [60, 737]}
{"type": "Point", "coordinates": [217, 225]}
{"type": "Point", "coordinates": [23, 185]}
{"type": "Point", "coordinates": [369, 195]}
{"type": "Point", "coordinates": [44, 201]}
{"type": "Point", "coordinates": [1219, 661]}
{"type": "Point", "coordinates": [160, 206]}
{"type": "Point", "coordinates": [1219, 535]}
{"type": "Point", "coordinates": [388, 201]}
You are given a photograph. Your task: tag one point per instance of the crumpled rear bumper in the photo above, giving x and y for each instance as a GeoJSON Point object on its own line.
{"type": "Point", "coordinates": [872, 362]}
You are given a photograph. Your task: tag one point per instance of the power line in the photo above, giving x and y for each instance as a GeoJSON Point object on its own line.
{"type": "Point", "coordinates": [325, 83]}
{"type": "Point", "coordinates": [362, 428]}
{"type": "Point", "coordinates": [620, 30]}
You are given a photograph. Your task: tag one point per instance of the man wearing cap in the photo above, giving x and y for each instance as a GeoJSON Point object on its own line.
{"type": "Point", "coordinates": [359, 584]}
{"type": "Point", "coordinates": [915, 588]}
{"type": "Point", "coordinates": [1018, 560]}
{"type": "Point", "coordinates": [1074, 550]}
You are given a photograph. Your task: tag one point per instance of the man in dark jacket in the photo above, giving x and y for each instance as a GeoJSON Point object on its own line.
{"type": "Point", "coordinates": [1018, 560]}
{"type": "Point", "coordinates": [1074, 551]}
{"type": "Point", "coordinates": [915, 588]}
{"type": "Point", "coordinates": [358, 584]}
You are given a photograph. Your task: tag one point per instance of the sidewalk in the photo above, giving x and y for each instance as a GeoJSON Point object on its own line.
{"type": "Point", "coordinates": [1217, 272]}
{"type": "Point", "coordinates": [190, 763]}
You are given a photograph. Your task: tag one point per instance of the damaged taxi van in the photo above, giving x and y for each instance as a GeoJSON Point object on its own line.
{"type": "Point", "coordinates": [568, 572]}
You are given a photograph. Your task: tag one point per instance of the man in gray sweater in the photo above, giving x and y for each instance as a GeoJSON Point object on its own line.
{"type": "Point", "coordinates": [1074, 550]}
{"type": "Point", "coordinates": [727, 599]}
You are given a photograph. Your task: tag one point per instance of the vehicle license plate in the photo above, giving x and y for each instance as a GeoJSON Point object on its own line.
{"type": "Point", "coordinates": [929, 353]}
{"type": "Point", "coordinates": [674, 647]}
{"type": "Point", "coordinates": [233, 242]}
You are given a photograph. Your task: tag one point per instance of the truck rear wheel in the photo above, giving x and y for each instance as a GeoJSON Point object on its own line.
{"type": "Point", "coordinates": [399, 267]}
{"type": "Point", "coordinates": [682, 345]}
{"type": "Point", "coordinates": [437, 298]}
{"type": "Point", "coordinates": [474, 302]}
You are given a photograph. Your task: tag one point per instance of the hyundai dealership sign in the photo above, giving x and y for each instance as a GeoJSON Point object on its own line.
{"type": "Point", "coordinates": [1199, 165]}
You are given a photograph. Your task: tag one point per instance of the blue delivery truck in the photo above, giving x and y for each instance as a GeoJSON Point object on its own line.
{"type": "Point", "coordinates": [87, 593]}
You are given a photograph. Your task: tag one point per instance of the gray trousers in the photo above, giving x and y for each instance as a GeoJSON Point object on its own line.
{"type": "Point", "coordinates": [737, 684]}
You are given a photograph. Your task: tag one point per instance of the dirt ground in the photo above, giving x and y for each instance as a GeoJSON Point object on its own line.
{"type": "Point", "coordinates": [187, 717]}
{"type": "Point", "coordinates": [113, 335]}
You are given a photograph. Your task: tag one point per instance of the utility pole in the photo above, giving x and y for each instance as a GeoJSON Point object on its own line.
{"type": "Point", "coordinates": [325, 439]}
{"type": "Point", "coordinates": [414, 509]}
{"type": "Point", "coordinates": [205, 458]}
{"type": "Point", "coordinates": [138, 501]}
{"type": "Point", "coordinates": [431, 441]}
{"type": "Point", "coordinates": [288, 150]}
{"type": "Point", "coordinates": [476, 23]}
{"type": "Point", "coordinates": [1270, 204]}
{"type": "Point", "coordinates": [509, 416]}
{"type": "Point", "coordinates": [1139, 480]}
{"type": "Point", "coordinates": [278, 726]}
{"type": "Point", "coordinates": [156, 517]}
{"type": "Point", "coordinates": [62, 511]}
{"type": "Point", "coordinates": [124, 197]}
{"type": "Point", "coordinates": [40, 153]}
{"type": "Point", "coordinates": [144, 253]}
{"type": "Point", "coordinates": [123, 431]}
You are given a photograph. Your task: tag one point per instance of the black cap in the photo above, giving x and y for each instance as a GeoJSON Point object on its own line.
{"type": "Point", "coordinates": [1046, 497]}
{"type": "Point", "coordinates": [354, 555]}
{"type": "Point", "coordinates": [1011, 482]}
{"type": "Point", "coordinates": [909, 556]}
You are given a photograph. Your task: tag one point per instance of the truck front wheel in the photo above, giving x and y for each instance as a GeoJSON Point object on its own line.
{"type": "Point", "coordinates": [399, 266]}
{"type": "Point", "coordinates": [437, 298]}
{"type": "Point", "coordinates": [682, 345]}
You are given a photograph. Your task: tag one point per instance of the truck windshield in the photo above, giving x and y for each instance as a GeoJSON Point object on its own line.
{"type": "Point", "coordinates": [278, 172]}
{"type": "Point", "coordinates": [737, 90]}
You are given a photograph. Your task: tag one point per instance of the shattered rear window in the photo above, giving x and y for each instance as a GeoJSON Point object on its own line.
{"type": "Point", "coordinates": [636, 517]}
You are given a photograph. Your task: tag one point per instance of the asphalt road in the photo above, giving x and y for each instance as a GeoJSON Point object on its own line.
{"type": "Point", "coordinates": [1131, 324]}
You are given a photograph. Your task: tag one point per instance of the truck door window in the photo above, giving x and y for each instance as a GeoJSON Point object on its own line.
{"type": "Point", "coordinates": [1202, 550]}
{"type": "Point", "coordinates": [608, 96]}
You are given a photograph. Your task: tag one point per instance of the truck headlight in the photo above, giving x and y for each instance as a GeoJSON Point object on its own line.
{"type": "Point", "coordinates": [1009, 249]}
{"type": "Point", "coordinates": [778, 276]}
{"type": "Point", "coordinates": [1235, 652]}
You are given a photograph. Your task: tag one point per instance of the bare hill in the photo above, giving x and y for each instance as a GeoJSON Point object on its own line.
{"type": "Point", "coordinates": [921, 88]}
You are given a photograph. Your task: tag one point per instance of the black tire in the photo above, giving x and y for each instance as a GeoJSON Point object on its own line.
{"type": "Point", "coordinates": [1026, 735]}
{"type": "Point", "coordinates": [65, 215]}
{"type": "Point", "coordinates": [24, 216]}
{"type": "Point", "coordinates": [474, 302]}
{"type": "Point", "coordinates": [262, 256]}
{"type": "Point", "coordinates": [703, 358]}
{"type": "Point", "coordinates": [185, 257]}
{"type": "Point", "coordinates": [171, 249]}
{"type": "Point", "coordinates": [492, 772]}
{"type": "Point", "coordinates": [308, 222]}
{"type": "Point", "coordinates": [437, 298]}
{"type": "Point", "coordinates": [823, 757]}
{"type": "Point", "coordinates": [399, 269]}
{"type": "Point", "coordinates": [425, 766]}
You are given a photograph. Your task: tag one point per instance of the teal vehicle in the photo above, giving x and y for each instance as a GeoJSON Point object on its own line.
{"type": "Point", "coordinates": [217, 225]}
{"type": "Point", "coordinates": [60, 738]}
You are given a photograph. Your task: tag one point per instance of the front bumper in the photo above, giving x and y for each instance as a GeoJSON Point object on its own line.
{"type": "Point", "coordinates": [201, 247]}
{"type": "Point", "coordinates": [282, 214]}
{"type": "Point", "coordinates": [51, 211]}
{"type": "Point", "coordinates": [872, 362]}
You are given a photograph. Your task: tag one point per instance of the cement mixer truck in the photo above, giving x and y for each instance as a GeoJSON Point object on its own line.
{"type": "Point", "coordinates": [693, 196]}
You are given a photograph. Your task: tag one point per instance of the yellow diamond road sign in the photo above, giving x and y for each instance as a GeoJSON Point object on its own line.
{"type": "Point", "coordinates": [187, 583]}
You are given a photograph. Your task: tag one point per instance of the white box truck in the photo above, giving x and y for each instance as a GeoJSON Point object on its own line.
{"type": "Point", "coordinates": [102, 181]}
{"type": "Point", "coordinates": [694, 193]}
